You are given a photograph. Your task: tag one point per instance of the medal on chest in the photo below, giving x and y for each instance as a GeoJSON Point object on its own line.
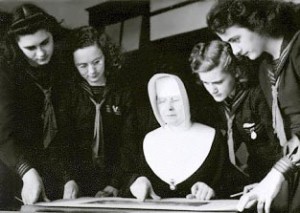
{"type": "Point", "coordinates": [251, 128]}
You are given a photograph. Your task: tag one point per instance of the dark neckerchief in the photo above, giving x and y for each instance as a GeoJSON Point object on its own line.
{"type": "Point", "coordinates": [276, 64]}
{"type": "Point", "coordinates": [232, 104]}
{"type": "Point", "coordinates": [43, 79]}
{"type": "Point", "coordinates": [273, 71]}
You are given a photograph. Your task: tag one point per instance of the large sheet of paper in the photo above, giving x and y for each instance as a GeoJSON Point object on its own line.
{"type": "Point", "coordinates": [163, 204]}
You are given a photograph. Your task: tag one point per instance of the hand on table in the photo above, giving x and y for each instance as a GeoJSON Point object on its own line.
{"type": "Point", "coordinates": [142, 189]}
{"type": "Point", "coordinates": [201, 191]}
{"type": "Point", "coordinates": [71, 190]}
{"type": "Point", "coordinates": [108, 191]}
{"type": "Point", "coordinates": [263, 193]}
{"type": "Point", "coordinates": [33, 187]}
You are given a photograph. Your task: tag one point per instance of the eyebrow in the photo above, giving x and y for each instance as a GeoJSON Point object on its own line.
{"type": "Point", "coordinates": [214, 82]}
{"type": "Point", "coordinates": [98, 58]}
{"type": "Point", "coordinates": [233, 38]}
{"type": "Point", "coordinates": [78, 64]}
{"type": "Point", "coordinates": [33, 46]}
{"type": "Point", "coordinates": [44, 41]}
{"type": "Point", "coordinates": [220, 81]}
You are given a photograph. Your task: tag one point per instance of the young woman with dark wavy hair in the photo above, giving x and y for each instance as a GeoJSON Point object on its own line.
{"type": "Point", "coordinates": [268, 30]}
{"type": "Point", "coordinates": [33, 69]}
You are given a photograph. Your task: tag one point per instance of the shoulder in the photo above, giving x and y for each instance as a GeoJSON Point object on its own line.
{"type": "Point", "coordinates": [295, 51]}
{"type": "Point", "coordinates": [255, 91]}
{"type": "Point", "coordinates": [256, 96]}
{"type": "Point", "coordinates": [3, 65]}
{"type": "Point", "coordinates": [205, 132]}
{"type": "Point", "coordinates": [72, 92]}
{"type": "Point", "coordinates": [210, 131]}
{"type": "Point", "coordinates": [154, 134]}
{"type": "Point", "coordinates": [123, 95]}
{"type": "Point", "coordinates": [124, 90]}
{"type": "Point", "coordinates": [203, 128]}
{"type": "Point", "coordinates": [7, 71]}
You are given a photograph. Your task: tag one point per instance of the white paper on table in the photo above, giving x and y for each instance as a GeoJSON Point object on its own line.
{"type": "Point", "coordinates": [131, 203]}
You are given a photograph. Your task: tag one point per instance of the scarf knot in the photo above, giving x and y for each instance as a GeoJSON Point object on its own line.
{"type": "Point", "coordinates": [277, 120]}
{"type": "Point", "coordinates": [50, 126]}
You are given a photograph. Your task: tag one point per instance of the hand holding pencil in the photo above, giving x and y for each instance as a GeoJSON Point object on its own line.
{"type": "Point", "coordinates": [247, 189]}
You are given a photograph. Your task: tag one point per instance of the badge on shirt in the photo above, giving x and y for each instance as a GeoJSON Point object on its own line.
{"type": "Point", "coordinates": [251, 128]}
{"type": "Point", "coordinates": [113, 109]}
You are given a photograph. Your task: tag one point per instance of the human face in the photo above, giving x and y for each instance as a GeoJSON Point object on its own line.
{"type": "Point", "coordinates": [169, 102]}
{"type": "Point", "coordinates": [37, 47]}
{"type": "Point", "coordinates": [220, 84]}
{"type": "Point", "coordinates": [244, 42]}
{"type": "Point", "coordinates": [90, 64]}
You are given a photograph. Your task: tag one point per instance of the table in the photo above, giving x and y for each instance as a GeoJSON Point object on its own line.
{"type": "Point", "coordinates": [129, 205]}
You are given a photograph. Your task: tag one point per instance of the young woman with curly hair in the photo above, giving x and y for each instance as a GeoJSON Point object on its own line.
{"type": "Point", "coordinates": [102, 115]}
{"type": "Point", "coordinates": [268, 30]}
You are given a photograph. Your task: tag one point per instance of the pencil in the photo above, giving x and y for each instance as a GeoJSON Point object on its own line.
{"type": "Point", "coordinates": [19, 199]}
{"type": "Point", "coordinates": [237, 194]}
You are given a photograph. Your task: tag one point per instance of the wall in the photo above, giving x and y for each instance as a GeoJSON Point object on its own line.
{"type": "Point", "coordinates": [295, 1]}
{"type": "Point", "coordinates": [71, 11]}
{"type": "Point", "coordinates": [161, 4]}
{"type": "Point", "coordinates": [180, 20]}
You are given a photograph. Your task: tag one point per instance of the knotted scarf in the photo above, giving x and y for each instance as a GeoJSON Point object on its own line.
{"type": "Point", "coordinates": [274, 72]}
{"type": "Point", "coordinates": [230, 110]}
{"type": "Point", "coordinates": [50, 128]}
{"type": "Point", "coordinates": [98, 139]}
{"type": "Point", "coordinates": [277, 120]}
